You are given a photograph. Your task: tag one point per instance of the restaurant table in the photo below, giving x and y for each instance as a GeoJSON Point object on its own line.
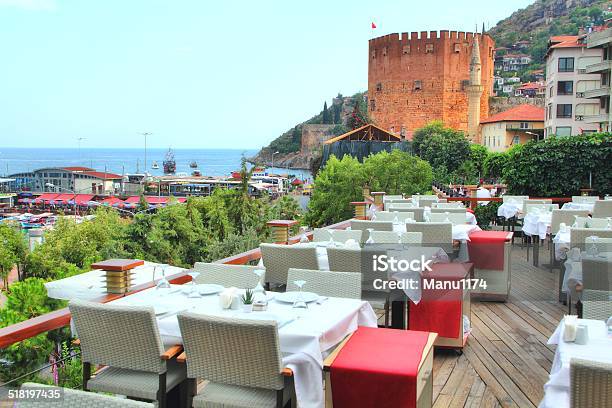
{"type": "Point", "coordinates": [460, 232]}
{"type": "Point", "coordinates": [573, 273]}
{"type": "Point", "coordinates": [91, 285]}
{"type": "Point", "coordinates": [578, 206]}
{"type": "Point", "coordinates": [535, 223]}
{"type": "Point", "coordinates": [562, 244]}
{"type": "Point", "coordinates": [470, 218]}
{"type": "Point", "coordinates": [598, 348]}
{"type": "Point", "coordinates": [509, 209]}
{"type": "Point", "coordinates": [306, 335]}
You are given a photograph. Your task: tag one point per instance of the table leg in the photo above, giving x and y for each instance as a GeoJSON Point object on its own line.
{"type": "Point", "coordinates": [536, 250]}
{"type": "Point", "coordinates": [398, 314]}
{"type": "Point", "coordinates": [562, 296]}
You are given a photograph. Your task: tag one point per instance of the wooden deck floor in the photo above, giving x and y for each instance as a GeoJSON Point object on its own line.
{"type": "Point", "coordinates": [506, 361]}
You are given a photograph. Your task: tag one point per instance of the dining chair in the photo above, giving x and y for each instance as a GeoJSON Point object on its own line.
{"type": "Point", "coordinates": [392, 197]}
{"type": "Point", "coordinates": [76, 398]}
{"type": "Point", "coordinates": [278, 258]}
{"type": "Point", "coordinates": [398, 201]}
{"type": "Point", "coordinates": [442, 200]}
{"type": "Point", "coordinates": [568, 217]}
{"type": "Point", "coordinates": [602, 209]}
{"type": "Point", "coordinates": [239, 276]}
{"type": "Point", "coordinates": [340, 235]}
{"type": "Point", "coordinates": [598, 223]}
{"type": "Point", "coordinates": [590, 384]}
{"type": "Point", "coordinates": [438, 217]}
{"type": "Point", "coordinates": [531, 202]}
{"type": "Point", "coordinates": [363, 226]}
{"type": "Point", "coordinates": [359, 260]}
{"type": "Point", "coordinates": [434, 233]}
{"type": "Point", "coordinates": [584, 199]}
{"type": "Point", "coordinates": [240, 359]}
{"type": "Point", "coordinates": [392, 237]}
{"type": "Point", "coordinates": [125, 339]}
{"type": "Point", "coordinates": [602, 244]}
{"type": "Point", "coordinates": [578, 236]}
{"type": "Point", "coordinates": [457, 210]}
{"type": "Point", "coordinates": [426, 201]}
{"type": "Point", "coordinates": [516, 198]}
{"type": "Point", "coordinates": [441, 205]}
{"type": "Point", "coordinates": [416, 212]}
{"type": "Point", "coordinates": [542, 208]}
{"type": "Point", "coordinates": [384, 216]}
{"type": "Point", "coordinates": [327, 283]}
{"type": "Point", "coordinates": [400, 204]}
{"type": "Point", "coordinates": [581, 222]}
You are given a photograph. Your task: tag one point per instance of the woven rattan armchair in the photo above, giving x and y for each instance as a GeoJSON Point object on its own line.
{"type": "Point", "coordinates": [363, 226]}
{"type": "Point", "coordinates": [444, 205]}
{"type": "Point", "coordinates": [239, 276]}
{"type": "Point", "coordinates": [597, 288]}
{"type": "Point", "coordinates": [391, 237]}
{"type": "Point", "coordinates": [279, 258]}
{"type": "Point", "coordinates": [584, 199]}
{"type": "Point", "coordinates": [590, 384]}
{"type": "Point", "coordinates": [602, 209]}
{"type": "Point", "coordinates": [437, 233]}
{"type": "Point", "coordinates": [323, 235]}
{"type": "Point", "coordinates": [240, 358]}
{"type": "Point", "coordinates": [326, 283]}
{"type": "Point", "coordinates": [568, 217]}
{"type": "Point", "coordinates": [126, 340]}
{"type": "Point", "coordinates": [578, 236]}
{"type": "Point", "coordinates": [78, 399]}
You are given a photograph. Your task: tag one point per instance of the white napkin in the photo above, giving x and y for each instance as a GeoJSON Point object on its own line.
{"type": "Point", "coordinates": [351, 243]}
{"type": "Point", "coordinates": [226, 297]}
{"type": "Point", "coordinates": [569, 331]}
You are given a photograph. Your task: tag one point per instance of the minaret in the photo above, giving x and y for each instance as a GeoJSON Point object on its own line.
{"type": "Point", "coordinates": [474, 91]}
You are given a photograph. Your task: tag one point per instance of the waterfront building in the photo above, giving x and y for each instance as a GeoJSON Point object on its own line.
{"type": "Point", "coordinates": [567, 81]}
{"type": "Point", "coordinates": [601, 40]}
{"type": "Point", "coordinates": [74, 179]}
{"type": "Point", "coordinates": [518, 125]}
{"type": "Point", "coordinates": [416, 78]}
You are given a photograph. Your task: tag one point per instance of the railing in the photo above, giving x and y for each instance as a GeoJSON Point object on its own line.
{"type": "Point", "coordinates": [61, 318]}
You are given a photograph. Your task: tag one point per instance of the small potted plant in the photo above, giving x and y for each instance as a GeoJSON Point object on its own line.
{"type": "Point", "coordinates": [247, 301]}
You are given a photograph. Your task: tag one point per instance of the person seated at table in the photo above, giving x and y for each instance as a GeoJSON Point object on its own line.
{"type": "Point", "coordinates": [482, 192]}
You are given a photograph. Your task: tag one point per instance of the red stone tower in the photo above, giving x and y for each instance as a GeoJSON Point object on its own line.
{"type": "Point", "coordinates": [414, 79]}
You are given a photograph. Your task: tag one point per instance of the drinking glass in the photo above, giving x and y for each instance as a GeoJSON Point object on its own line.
{"type": "Point", "coordinates": [303, 237]}
{"type": "Point", "coordinates": [163, 282]}
{"type": "Point", "coordinates": [370, 240]}
{"type": "Point", "coordinates": [399, 238]}
{"type": "Point", "coordinates": [193, 293]}
{"type": "Point", "coordinates": [332, 243]}
{"type": "Point", "coordinates": [299, 299]}
{"type": "Point", "coordinates": [593, 251]}
{"type": "Point", "coordinates": [259, 287]}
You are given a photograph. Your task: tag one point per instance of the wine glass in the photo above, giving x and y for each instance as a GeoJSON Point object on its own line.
{"type": "Point", "coordinates": [193, 293]}
{"type": "Point", "coordinates": [303, 236]}
{"type": "Point", "coordinates": [332, 243]}
{"type": "Point", "coordinates": [447, 215]}
{"type": "Point", "coordinates": [395, 220]}
{"type": "Point", "coordinates": [399, 238]}
{"type": "Point", "coordinates": [593, 250]}
{"type": "Point", "coordinates": [370, 240]}
{"type": "Point", "coordinates": [299, 299]}
{"type": "Point", "coordinates": [154, 271]}
{"type": "Point", "coordinates": [163, 282]}
{"type": "Point", "coordinates": [259, 288]}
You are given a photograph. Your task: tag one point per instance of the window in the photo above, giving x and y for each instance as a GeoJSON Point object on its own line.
{"type": "Point", "coordinates": [384, 53]}
{"type": "Point", "coordinates": [418, 85]}
{"type": "Point", "coordinates": [516, 140]}
{"type": "Point", "coordinates": [373, 54]}
{"type": "Point", "coordinates": [563, 131]}
{"type": "Point", "coordinates": [564, 110]}
{"type": "Point", "coordinates": [372, 105]}
{"type": "Point", "coordinates": [457, 47]}
{"type": "Point", "coordinates": [406, 49]}
{"type": "Point", "coordinates": [566, 64]}
{"type": "Point", "coordinates": [550, 91]}
{"type": "Point", "coordinates": [429, 48]}
{"type": "Point", "coordinates": [378, 87]}
{"type": "Point", "coordinates": [524, 125]}
{"type": "Point", "coordinates": [565, 87]}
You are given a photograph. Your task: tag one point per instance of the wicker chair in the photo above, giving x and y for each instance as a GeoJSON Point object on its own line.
{"type": "Point", "coordinates": [529, 208]}
{"type": "Point", "coordinates": [392, 216]}
{"type": "Point", "coordinates": [434, 233]}
{"type": "Point", "coordinates": [126, 339]}
{"type": "Point", "coordinates": [244, 372]}
{"type": "Point", "coordinates": [578, 236]}
{"type": "Point", "coordinates": [597, 288]}
{"type": "Point", "coordinates": [396, 204]}
{"type": "Point", "coordinates": [391, 237]}
{"type": "Point", "coordinates": [445, 205]}
{"type": "Point", "coordinates": [452, 210]}
{"type": "Point", "coordinates": [597, 223]}
{"type": "Point", "coordinates": [602, 244]}
{"type": "Point", "coordinates": [584, 199]}
{"type": "Point", "coordinates": [392, 197]}
{"type": "Point", "coordinates": [277, 260]}
{"type": "Point", "coordinates": [416, 212]}
{"type": "Point", "coordinates": [427, 201]}
{"type": "Point", "coordinates": [326, 283]}
{"type": "Point", "coordinates": [590, 384]}
{"type": "Point", "coordinates": [363, 226]}
{"type": "Point", "coordinates": [602, 209]}
{"type": "Point", "coordinates": [518, 199]}
{"type": "Point", "coordinates": [531, 202]}
{"type": "Point", "coordinates": [239, 276]}
{"type": "Point", "coordinates": [77, 398]}
{"type": "Point", "coordinates": [455, 217]}
{"type": "Point", "coordinates": [564, 216]}
{"type": "Point", "coordinates": [354, 260]}
{"type": "Point", "coordinates": [323, 235]}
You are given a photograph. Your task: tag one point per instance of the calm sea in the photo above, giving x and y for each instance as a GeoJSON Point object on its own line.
{"type": "Point", "coordinates": [211, 162]}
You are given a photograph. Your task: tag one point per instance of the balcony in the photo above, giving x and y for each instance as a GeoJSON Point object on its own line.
{"type": "Point", "coordinates": [599, 67]}
{"type": "Point", "coordinates": [601, 118]}
{"type": "Point", "coordinates": [595, 93]}
{"type": "Point", "coordinates": [597, 39]}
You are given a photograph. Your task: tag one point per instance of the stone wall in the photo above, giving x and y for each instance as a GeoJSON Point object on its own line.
{"type": "Point", "coordinates": [313, 137]}
{"type": "Point", "coordinates": [500, 103]}
{"type": "Point", "coordinates": [437, 62]}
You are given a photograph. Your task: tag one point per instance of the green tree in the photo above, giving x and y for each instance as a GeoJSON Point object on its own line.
{"type": "Point", "coordinates": [13, 251]}
{"type": "Point", "coordinates": [286, 208]}
{"type": "Point", "coordinates": [478, 156]}
{"type": "Point", "coordinates": [446, 150]}
{"type": "Point", "coordinates": [494, 164]}
{"type": "Point", "coordinates": [397, 172]}
{"type": "Point", "coordinates": [326, 116]}
{"type": "Point", "coordinates": [143, 204]}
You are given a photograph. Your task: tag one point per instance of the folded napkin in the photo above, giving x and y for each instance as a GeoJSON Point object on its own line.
{"type": "Point", "coordinates": [569, 332]}
{"type": "Point", "coordinates": [351, 243]}
{"type": "Point", "coordinates": [226, 297]}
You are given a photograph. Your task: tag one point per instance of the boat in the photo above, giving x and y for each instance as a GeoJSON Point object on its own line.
{"type": "Point", "coordinates": [196, 173]}
{"type": "Point", "coordinates": [193, 165]}
{"type": "Point", "coordinates": [155, 166]}
{"type": "Point", "coordinates": [169, 163]}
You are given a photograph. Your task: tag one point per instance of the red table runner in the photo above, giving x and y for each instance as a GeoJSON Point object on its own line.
{"type": "Point", "coordinates": [439, 310]}
{"type": "Point", "coordinates": [377, 368]}
{"type": "Point", "coordinates": [486, 249]}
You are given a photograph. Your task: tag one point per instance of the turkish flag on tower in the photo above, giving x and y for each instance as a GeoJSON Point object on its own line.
{"type": "Point", "coordinates": [373, 25]}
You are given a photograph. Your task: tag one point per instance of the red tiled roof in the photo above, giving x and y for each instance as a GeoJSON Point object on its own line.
{"type": "Point", "coordinates": [525, 113]}
{"type": "Point", "coordinates": [531, 85]}
{"type": "Point", "coordinates": [150, 199]}
{"type": "Point", "coordinates": [82, 199]}
{"type": "Point", "coordinates": [77, 168]}
{"type": "Point", "coordinates": [565, 41]}
{"type": "Point", "coordinates": [102, 175]}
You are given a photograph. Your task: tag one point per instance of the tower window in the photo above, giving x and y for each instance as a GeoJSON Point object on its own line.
{"type": "Point", "coordinates": [457, 47]}
{"type": "Point", "coordinates": [429, 48]}
{"type": "Point", "coordinates": [418, 85]}
{"type": "Point", "coordinates": [373, 54]}
{"type": "Point", "coordinates": [378, 87]}
{"type": "Point", "coordinates": [384, 52]}
{"type": "Point", "coordinates": [372, 105]}
{"type": "Point", "coordinates": [406, 49]}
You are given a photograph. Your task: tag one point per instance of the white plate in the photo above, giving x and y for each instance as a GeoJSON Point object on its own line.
{"type": "Point", "coordinates": [290, 297]}
{"type": "Point", "coordinates": [209, 288]}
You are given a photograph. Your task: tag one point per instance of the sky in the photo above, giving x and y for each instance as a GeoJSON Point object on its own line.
{"type": "Point", "coordinates": [194, 73]}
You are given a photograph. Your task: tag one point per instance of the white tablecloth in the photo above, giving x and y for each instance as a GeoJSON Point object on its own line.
{"type": "Point", "coordinates": [537, 224]}
{"type": "Point", "coordinates": [509, 210]}
{"type": "Point", "coordinates": [470, 218]}
{"type": "Point", "coordinates": [573, 273]}
{"type": "Point", "coordinates": [599, 348]}
{"type": "Point", "coordinates": [90, 285]}
{"type": "Point", "coordinates": [304, 340]}
{"type": "Point", "coordinates": [562, 244]}
{"type": "Point", "coordinates": [578, 206]}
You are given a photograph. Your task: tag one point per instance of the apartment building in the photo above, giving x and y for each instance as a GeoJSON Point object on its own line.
{"type": "Point", "coordinates": [567, 81]}
{"type": "Point", "coordinates": [601, 40]}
